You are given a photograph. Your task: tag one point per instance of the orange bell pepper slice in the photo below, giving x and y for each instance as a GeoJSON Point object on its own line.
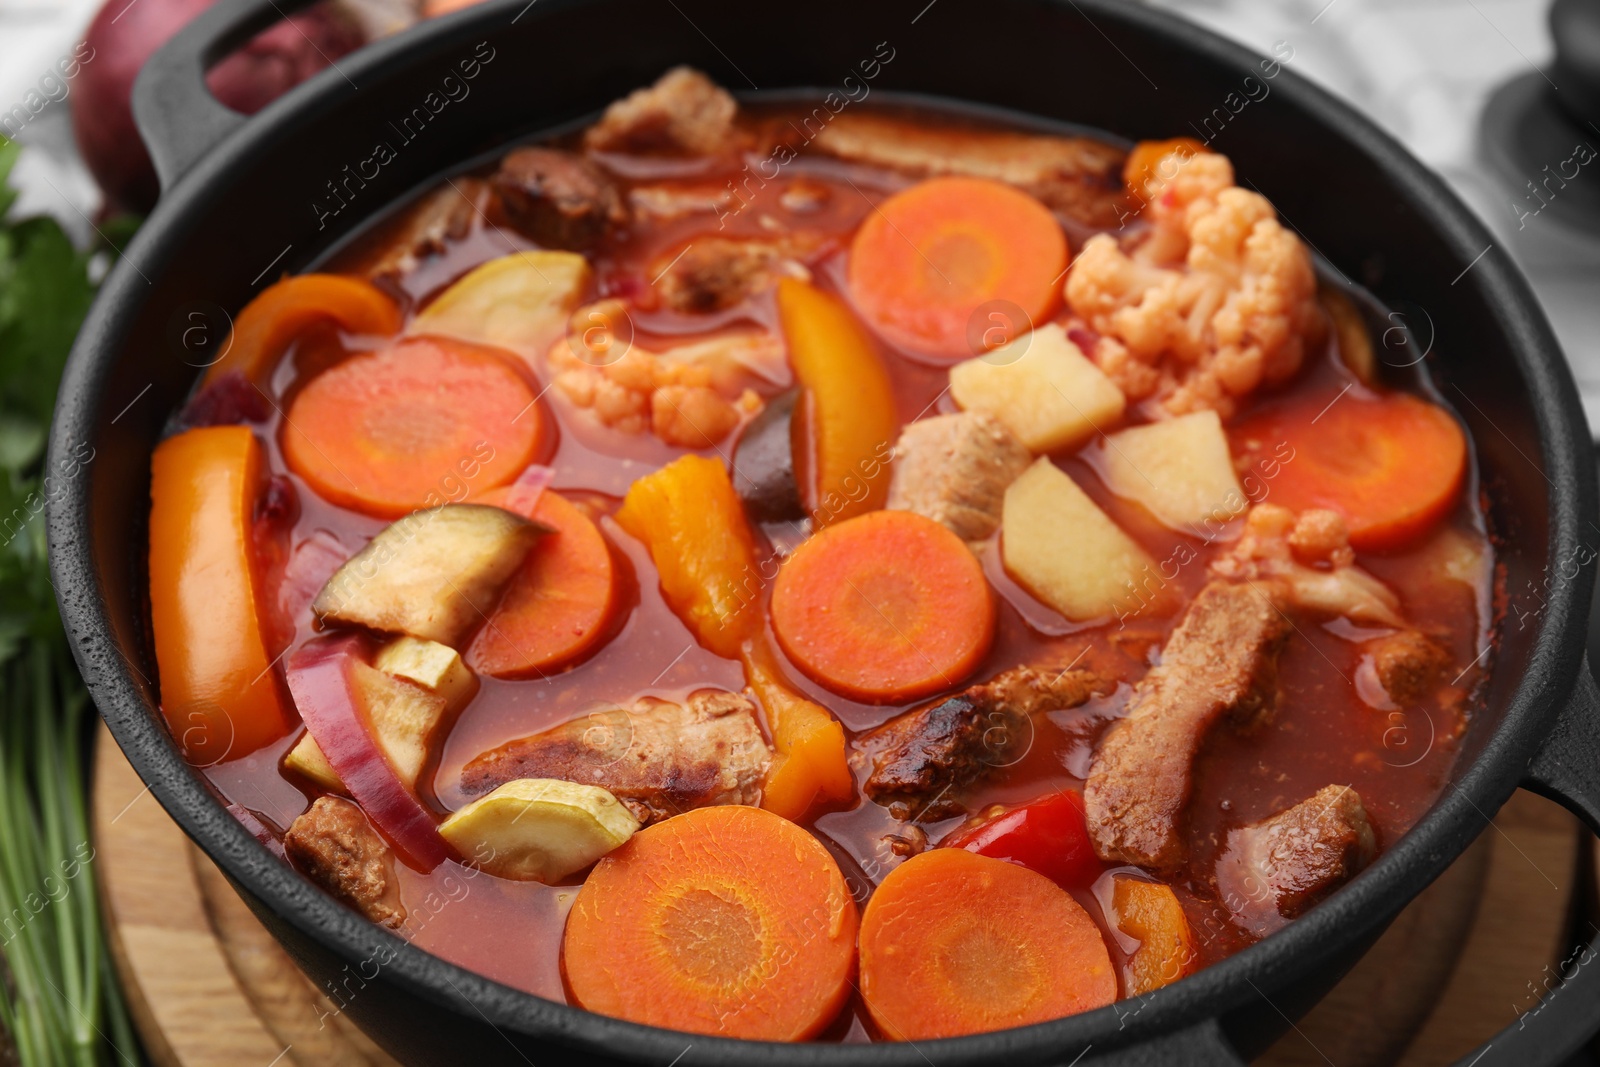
{"type": "Point", "coordinates": [810, 767]}
{"type": "Point", "coordinates": [217, 689]}
{"type": "Point", "coordinates": [845, 425]}
{"type": "Point", "coordinates": [1150, 912]}
{"type": "Point", "coordinates": [690, 518]}
{"type": "Point", "coordinates": [282, 311]}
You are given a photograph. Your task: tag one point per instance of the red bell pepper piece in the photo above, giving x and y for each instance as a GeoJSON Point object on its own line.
{"type": "Point", "coordinates": [1048, 836]}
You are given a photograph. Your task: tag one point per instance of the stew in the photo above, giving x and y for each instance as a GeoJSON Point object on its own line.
{"type": "Point", "coordinates": [844, 574]}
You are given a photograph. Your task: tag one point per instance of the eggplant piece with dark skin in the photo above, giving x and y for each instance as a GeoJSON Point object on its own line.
{"type": "Point", "coordinates": [763, 463]}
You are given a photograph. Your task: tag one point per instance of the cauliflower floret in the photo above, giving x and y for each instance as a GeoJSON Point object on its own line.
{"type": "Point", "coordinates": [1216, 299]}
{"type": "Point", "coordinates": [1276, 548]}
{"type": "Point", "coordinates": [1196, 180]}
{"type": "Point", "coordinates": [689, 397]}
{"type": "Point", "coordinates": [1321, 536]}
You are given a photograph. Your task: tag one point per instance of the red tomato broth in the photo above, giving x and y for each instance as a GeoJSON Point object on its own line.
{"type": "Point", "coordinates": [1322, 733]}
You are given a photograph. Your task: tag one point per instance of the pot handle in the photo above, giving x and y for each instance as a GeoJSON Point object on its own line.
{"type": "Point", "coordinates": [178, 118]}
{"type": "Point", "coordinates": [1567, 770]}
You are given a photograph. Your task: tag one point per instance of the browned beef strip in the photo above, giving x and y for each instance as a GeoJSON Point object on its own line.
{"type": "Point", "coordinates": [445, 215]}
{"type": "Point", "coordinates": [683, 113]}
{"type": "Point", "coordinates": [1274, 870]}
{"type": "Point", "coordinates": [557, 199]}
{"type": "Point", "coordinates": [954, 469]}
{"type": "Point", "coordinates": [658, 758]}
{"type": "Point", "coordinates": [1407, 663]}
{"type": "Point", "coordinates": [715, 273]}
{"type": "Point", "coordinates": [1220, 660]}
{"type": "Point", "coordinates": [335, 846]}
{"type": "Point", "coordinates": [1078, 176]}
{"type": "Point", "coordinates": [923, 760]}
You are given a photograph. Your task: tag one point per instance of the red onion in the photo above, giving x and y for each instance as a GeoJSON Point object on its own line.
{"type": "Point", "coordinates": [323, 683]}
{"type": "Point", "coordinates": [120, 39]}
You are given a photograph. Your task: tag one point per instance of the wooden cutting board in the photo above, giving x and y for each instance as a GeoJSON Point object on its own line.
{"type": "Point", "coordinates": [209, 987]}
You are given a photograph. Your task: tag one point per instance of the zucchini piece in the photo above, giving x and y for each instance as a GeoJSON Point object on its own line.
{"type": "Point", "coordinates": [539, 829]}
{"type": "Point", "coordinates": [763, 463]}
{"type": "Point", "coordinates": [435, 574]}
{"type": "Point", "coordinates": [519, 302]}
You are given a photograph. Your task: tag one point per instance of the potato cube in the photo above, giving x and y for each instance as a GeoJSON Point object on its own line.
{"type": "Point", "coordinates": [1063, 549]}
{"type": "Point", "coordinates": [1042, 388]}
{"type": "Point", "coordinates": [1179, 469]}
{"type": "Point", "coordinates": [433, 666]}
{"type": "Point", "coordinates": [307, 758]}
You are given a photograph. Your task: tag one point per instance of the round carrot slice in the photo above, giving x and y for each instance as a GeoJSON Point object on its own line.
{"type": "Point", "coordinates": [925, 262]}
{"type": "Point", "coordinates": [1391, 465]}
{"type": "Point", "coordinates": [888, 606]}
{"type": "Point", "coordinates": [724, 920]}
{"type": "Point", "coordinates": [558, 606]}
{"type": "Point", "coordinates": [392, 431]}
{"type": "Point", "coordinates": [956, 943]}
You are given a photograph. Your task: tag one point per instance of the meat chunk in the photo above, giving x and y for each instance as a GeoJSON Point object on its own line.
{"type": "Point", "coordinates": [1275, 870]}
{"type": "Point", "coordinates": [445, 215]}
{"type": "Point", "coordinates": [335, 846]}
{"type": "Point", "coordinates": [659, 758]}
{"type": "Point", "coordinates": [670, 202]}
{"type": "Point", "coordinates": [683, 113]}
{"type": "Point", "coordinates": [922, 761]}
{"type": "Point", "coordinates": [1077, 176]}
{"type": "Point", "coordinates": [1406, 664]}
{"type": "Point", "coordinates": [1221, 660]}
{"type": "Point", "coordinates": [557, 199]}
{"type": "Point", "coordinates": [715, 273]}
{"type": "Point", "coordinates": [954, 469]}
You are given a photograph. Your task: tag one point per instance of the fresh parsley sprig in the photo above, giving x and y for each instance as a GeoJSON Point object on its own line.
{"type": "Point", "coordinates": [59, 1005]}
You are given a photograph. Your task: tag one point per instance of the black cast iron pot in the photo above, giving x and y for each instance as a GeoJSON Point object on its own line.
{"type": "Point", "coordinates": [244, 202]}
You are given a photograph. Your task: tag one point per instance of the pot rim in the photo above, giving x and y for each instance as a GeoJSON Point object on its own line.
{"type": "Point", "coordinates": [1312, 941]}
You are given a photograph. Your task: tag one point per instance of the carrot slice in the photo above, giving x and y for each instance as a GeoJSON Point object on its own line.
{"type": "Point", "coordinates": [270, 322]}
{"type": "Point", "coordinates": [1391, 465]}
{"type": "Point", "coordinates": [723, 920]}
{"type": "Point", "coordinates": [559, 605]}
{"type": "Point", "coordinates": [888, 606]}
{"type": "Point", "coordinates": [923, 263]}
{"type": "Point", "coordinates": [392, 431]}
{"type": "Point", "coordinates": [955, 943]}
{"type": "Point", "coordinates": [1150, 912]}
